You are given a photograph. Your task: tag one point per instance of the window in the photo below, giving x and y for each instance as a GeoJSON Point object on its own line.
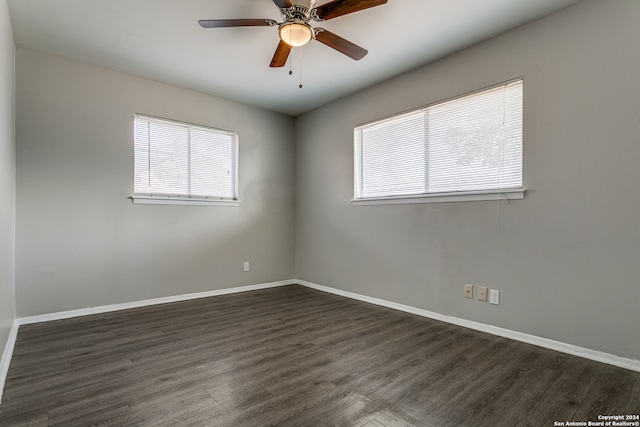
{"type": "Point", "coordinates": [182, 163]}
{"type": "Point", "coordinates": [468, 148]}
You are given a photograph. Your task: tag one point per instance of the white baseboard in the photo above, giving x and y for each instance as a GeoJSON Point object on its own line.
{"type": "Point", "coordinates": [145, 303]}
{"type": "Point", "coordinates": [586, 353]}
{"type": "Point", "coordinates": [562, 347]}
{"type": "Point", "coordinates": [8, 351]}
{"type": "Point", "coordinates": [6, 355]}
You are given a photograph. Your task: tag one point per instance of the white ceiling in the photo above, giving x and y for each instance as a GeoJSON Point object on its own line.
{"type": "Point", "coordinates": [161, 40]}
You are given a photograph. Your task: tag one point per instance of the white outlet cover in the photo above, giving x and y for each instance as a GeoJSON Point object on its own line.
{"type": "Point", "coordinates": [494, 296]}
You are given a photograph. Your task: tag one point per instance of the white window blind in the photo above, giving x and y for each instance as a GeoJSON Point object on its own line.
{"type": "Point", "coordinates": [466, 145]}
{"type": "Point", "coordinates": [174, 159]}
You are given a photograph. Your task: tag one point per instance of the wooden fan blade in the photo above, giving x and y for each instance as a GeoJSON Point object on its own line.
{"type": "Point", "coordinates": [283, 3]}
{"type": "Point", "coordinates": [223, 23]}
{"type": "Point", "coordinates": [281, 55]}
{"type": "Point", "coordinates": [341, 45]}
{"type": "Point", "coordinates": [337, 8]}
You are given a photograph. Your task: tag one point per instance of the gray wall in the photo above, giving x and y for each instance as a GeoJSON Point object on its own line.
{"type": "Point", "coordinates": [82, 243]}
{"type": "Point", "coordinates": [566, 258]}
{"type": "Point", "coordinates": [7, 177]}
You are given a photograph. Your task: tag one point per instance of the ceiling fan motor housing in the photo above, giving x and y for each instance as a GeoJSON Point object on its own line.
{"type": "Point", "coordinates": [307, 4]}
{"type": "Point", "coordinates": [300, 10]}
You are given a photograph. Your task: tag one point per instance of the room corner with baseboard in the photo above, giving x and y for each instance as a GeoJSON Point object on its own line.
{"type": "Point", "coordinates": [7, 192]}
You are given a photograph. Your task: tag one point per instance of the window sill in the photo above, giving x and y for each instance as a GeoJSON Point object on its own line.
{"type": "Point", "coordinates": [470, 196]}
{"type": "Point", "coordinates": [192, 201]}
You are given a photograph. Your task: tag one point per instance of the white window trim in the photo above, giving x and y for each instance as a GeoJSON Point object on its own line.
{"type": "Point", "coordinates": [141, 199]}
{"type": "Point", "coordinates": [461, 196]}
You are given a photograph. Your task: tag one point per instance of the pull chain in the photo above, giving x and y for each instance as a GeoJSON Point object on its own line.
{"type": "Point", "coordinates": [299, 51]}
{"type": "Point", "coordinates": [290, 60]}
{"type": "Point", "coordinates": [300, 56]}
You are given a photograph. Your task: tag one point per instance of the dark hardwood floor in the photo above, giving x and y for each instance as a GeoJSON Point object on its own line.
{"type": "Point", "coordinates": [293, 356]}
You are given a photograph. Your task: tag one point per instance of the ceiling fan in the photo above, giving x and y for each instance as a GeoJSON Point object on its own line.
{"type": "Point", "coordinates": [295, 29]}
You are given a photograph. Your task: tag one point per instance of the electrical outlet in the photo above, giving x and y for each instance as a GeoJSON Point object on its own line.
{"type": "Point", "coordinates": [494, 296]}
{"type": "Point", "coordinates": [482, 293]}
{"type": "Point", "coordinates": [468, 291]}
{"type": "Point", "coordinates": [246, 266]}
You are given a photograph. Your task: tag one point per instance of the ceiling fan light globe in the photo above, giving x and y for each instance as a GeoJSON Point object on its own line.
{"type": "Point", "coordinates": [295, 34]}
